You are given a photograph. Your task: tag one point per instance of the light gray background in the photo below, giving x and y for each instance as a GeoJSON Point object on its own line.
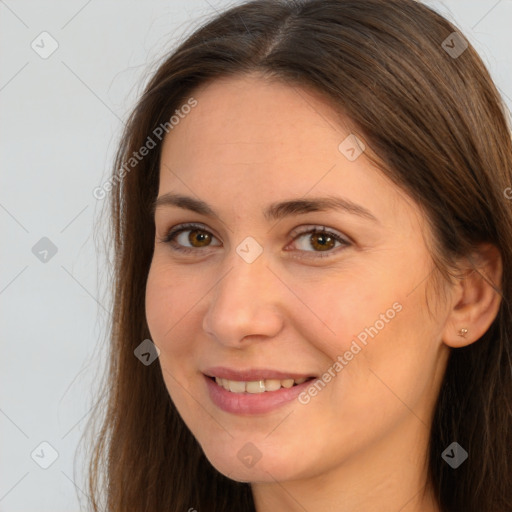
{"type": "Point", "coordinates": [60, 121]}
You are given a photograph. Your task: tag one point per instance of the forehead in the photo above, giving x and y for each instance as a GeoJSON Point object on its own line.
{"type": "Point", "coordinates": [251, 141]}
{"type": "Point", "coordinates": [249, 118]}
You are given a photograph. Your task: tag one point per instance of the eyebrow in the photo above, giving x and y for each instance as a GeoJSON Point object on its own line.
{"type": "Point", "coordinates": [274, 211]}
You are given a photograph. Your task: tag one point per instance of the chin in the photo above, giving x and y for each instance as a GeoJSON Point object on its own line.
{"type": "Point", "coordinates": [266, 469]}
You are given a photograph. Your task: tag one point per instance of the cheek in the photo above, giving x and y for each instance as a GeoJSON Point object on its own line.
{"type": "Point", "coordinates": [344, 306]}
{"type": "Point", "coordinates": [168, 305]}
{"type": "Point", "coordinates": [387, 367]}
{"type": "Point", "coordinates": [168, 313]}
{"type": "Point", "coordinates": [377, 331]}
{"type": "Point", "coordinates": [169, 293]}
{"type": "Point", "coordinates": [157, 303]}
{"type": "Point", "coordinates": [176, 298]}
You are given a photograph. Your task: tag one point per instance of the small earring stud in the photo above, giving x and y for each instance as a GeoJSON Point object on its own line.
{"type": "Point", "coordinates": [463, 332]}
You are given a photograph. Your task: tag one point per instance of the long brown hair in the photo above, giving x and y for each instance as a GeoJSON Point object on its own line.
{"type": "Point", "coordinates": [440, 131]}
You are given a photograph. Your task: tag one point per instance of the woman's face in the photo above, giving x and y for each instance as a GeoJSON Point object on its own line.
{"type": "Point", "coordinates": [259, 289]}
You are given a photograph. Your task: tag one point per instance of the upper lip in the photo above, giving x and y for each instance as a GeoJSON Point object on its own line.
{"type": "Point", "coordinates": [252, 374]}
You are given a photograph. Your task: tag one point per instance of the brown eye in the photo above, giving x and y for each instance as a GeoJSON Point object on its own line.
{"type": "Point", "coordinates": [319, 240]}
{"type": "Point", "coordinates": [202, 238]}
{"type": "Point", "coordinates": [322, 241]}
{"type": "Point", "coordinates": [197, 238]}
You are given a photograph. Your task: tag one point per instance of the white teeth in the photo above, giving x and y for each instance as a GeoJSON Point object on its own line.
{"type": "Point", "coordinates": [236, 387]}
{"type": "Point", "coordinates": [287, 383]}
{"type": "Point", "coordinates": [272, 384]}
{"type": "Point", "coordinates": [257, 386]}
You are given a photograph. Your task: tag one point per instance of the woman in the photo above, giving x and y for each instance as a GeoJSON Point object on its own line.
{"type": "Point", "coordinates": [312, 278]}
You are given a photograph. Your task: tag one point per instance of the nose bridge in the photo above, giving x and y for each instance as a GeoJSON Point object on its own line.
{"type": "Point", "coordinates": [244, 301]}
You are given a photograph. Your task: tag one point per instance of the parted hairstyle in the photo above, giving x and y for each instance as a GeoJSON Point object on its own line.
{"type": "Point", "coordinates": [440, 131]}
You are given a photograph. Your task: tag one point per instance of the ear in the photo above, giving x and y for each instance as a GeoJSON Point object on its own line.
{"type": "Point", "coordinates": [476, 297]}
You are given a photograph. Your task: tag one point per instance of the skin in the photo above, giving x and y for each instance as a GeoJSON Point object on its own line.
{"type": "Point", "coordinates": [360, 444]}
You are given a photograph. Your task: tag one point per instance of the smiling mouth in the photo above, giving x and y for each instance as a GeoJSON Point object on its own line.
{"type": "Point", "coordinates": [258, 386]}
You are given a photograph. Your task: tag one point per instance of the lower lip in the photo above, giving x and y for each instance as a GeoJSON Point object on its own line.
{"type": "Point", "coordinates": [252, 403]}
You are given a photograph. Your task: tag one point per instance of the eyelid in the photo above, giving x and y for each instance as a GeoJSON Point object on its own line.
{"type": "Point", "coordinates": [319, 228]}
{"type": "Point", "coordinates": [343, 239]}
{"type": "Point", "coordinates": [173, 232]}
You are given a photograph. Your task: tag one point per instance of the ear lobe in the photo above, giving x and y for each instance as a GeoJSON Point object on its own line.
{"type": "Point", "coordinates": [477, 298]}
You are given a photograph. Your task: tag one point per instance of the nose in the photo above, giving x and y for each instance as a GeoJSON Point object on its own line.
{"type": "Point", "coordinates": [245, 303]}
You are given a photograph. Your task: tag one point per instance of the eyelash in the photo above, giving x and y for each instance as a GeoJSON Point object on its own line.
{"type": "Point", "coordinates": [169, 238]}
